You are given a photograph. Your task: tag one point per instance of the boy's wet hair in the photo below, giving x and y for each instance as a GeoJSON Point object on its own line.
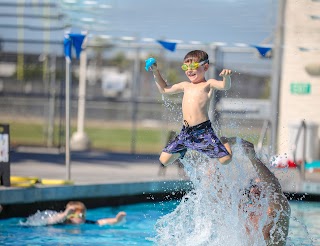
{"type": "Point", "coordinates": [196, 56]}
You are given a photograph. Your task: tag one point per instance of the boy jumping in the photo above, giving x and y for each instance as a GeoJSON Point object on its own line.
{"type": "Point", "coordinates": [197, 133]}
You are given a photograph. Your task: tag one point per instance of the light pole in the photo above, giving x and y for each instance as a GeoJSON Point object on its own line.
{"type": "Point", "coordinates": [80, 140]}
{"type": "Point", "coordinates": [68, 85]}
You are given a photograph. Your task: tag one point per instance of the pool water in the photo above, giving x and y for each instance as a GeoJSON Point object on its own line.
{"type": "Point", "coordinates": [139, 227]}
{"type": "Point", "coordinates": [304, 223]}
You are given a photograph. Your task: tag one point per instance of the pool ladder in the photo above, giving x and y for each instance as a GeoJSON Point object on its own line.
{"type": "Point", "coordinates": [266, 125]}
{"type": "Point", "coordinates": [301, 167]}
{"type": "Point", "coordinates": [302, 127]}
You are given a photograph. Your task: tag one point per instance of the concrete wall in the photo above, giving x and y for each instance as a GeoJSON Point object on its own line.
{"type": "Point", "coordinates": [299, 91]}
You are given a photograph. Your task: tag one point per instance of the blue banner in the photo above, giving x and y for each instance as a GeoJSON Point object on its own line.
{"type": "Point", "coordinates": [168, 45]}
{"type": "Point", "coordinates": [75, 40]}
{"type": "Point", "coordinates": [263, 50]}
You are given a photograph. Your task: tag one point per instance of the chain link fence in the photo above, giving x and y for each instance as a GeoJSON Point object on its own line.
{"type": "Point", "coordinates": [121, 101]}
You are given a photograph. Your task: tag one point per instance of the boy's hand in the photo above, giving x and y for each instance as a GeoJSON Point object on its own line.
{"type": "Point", "coordinates": [70, 210]}
{"type": "Point", "coordinates": [248, 149]}
{"type": "Point", "coordinates": [250, 152]}
{"type": "Point", "coordinates": [154, 67]}
{"type": "Point", "coordinates": [225, 72]}
{"type": "Point", "coordinates": [151, 64]}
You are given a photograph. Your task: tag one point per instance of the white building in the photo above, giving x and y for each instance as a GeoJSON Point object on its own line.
{"type": "Point", "coordinates": [299, 89]}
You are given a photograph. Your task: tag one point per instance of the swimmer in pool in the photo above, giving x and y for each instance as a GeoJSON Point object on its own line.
{"type": "Point", "coordinates": [271, 220]}
{"type": "Point", "coordinates": [197, 132]}
{"type": "Point", "coordinates": [75, 213]}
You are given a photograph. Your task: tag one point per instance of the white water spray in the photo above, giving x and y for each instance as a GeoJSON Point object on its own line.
{"type": "Point", "coordinates": [40, 218]}
{"type": "Point", "coordinates": [211, 213]}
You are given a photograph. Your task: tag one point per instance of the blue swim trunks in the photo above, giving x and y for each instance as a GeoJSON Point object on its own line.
{"type": "Point", "coordinates": [200, 137]}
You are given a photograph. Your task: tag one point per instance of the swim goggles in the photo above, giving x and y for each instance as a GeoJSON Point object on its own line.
{"type": "Point", "coordinates": [193, 65]}
{"type": "Point", "coordinates": [76, 215]}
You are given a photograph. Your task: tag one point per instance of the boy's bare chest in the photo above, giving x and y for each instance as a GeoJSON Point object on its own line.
{"type": "Point", "coordinates": [197, 90]}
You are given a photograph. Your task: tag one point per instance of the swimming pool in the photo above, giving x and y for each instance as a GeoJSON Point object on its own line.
{"type": "Point", "coordinates": [141, 218]}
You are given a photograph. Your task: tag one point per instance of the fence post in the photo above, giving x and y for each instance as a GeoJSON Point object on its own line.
{"type": "Point", "coordinates": [4, 155]}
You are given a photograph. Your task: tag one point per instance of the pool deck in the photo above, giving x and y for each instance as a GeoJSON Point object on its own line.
{"type": "Point", "coordinates": [105, 175]}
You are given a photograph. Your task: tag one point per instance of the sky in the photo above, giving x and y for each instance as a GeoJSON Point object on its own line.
{"type": "Point", "coordinates": [229, 21]}
{"type": "Point", "coordinates": [250, 22]}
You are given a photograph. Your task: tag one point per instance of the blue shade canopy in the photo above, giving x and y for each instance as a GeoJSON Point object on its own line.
{"type": "Point", "coordinates": [75, 40]}
{"type": "Point", "coordinates": [263, 50]}
{"type": "Point", "coordinates": [168, 45]}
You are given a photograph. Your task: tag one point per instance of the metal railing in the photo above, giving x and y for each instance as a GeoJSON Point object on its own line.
{"type": "Point", "coordinates": [301, 167]}
{"type": "Point", "coordinates": [265, 127]}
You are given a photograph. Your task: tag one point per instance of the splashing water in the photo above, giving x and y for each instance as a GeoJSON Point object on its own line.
{"type": "Point", "coordinates": [211, 214]}
{"type": "Point", "coordinates": [40, 218]}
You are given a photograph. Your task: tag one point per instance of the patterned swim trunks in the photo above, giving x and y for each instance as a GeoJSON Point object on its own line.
{"type": "Point", "coordinates": [200, 137]}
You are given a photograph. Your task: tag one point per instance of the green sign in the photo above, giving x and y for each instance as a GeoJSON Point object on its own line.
{"type": "Point", "coordinates": [300, 88]}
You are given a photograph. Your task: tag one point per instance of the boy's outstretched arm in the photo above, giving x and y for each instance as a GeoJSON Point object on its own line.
{"type": "Point", "coordinates": [60, 217]}
{"type": "Point", "coordinates": [162, 85]}
{"type": "Point", "coordinates": [121, 216]}
{"type": "Point", "coordinates": [225, 83]}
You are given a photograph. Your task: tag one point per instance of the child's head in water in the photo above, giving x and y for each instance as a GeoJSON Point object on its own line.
{"type": "Point", "coordinates": [78, 216]}
{"type": "Point", "coordinates": [253, 192]}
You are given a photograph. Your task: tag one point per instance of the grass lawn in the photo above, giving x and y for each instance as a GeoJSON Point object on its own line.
{"type": "Point", "coordinates": [113, 138]}
{"type": "Point", "coordinates": [108, 138]}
